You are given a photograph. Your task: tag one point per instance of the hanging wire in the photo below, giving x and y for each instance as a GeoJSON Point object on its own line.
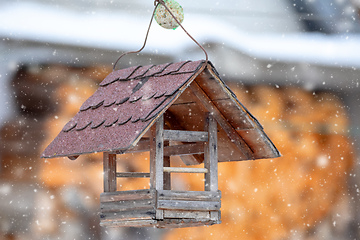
{"type": "Point", "coordinates": [143, 46]}
{"type": "Point", "coordinates": [156, 3]}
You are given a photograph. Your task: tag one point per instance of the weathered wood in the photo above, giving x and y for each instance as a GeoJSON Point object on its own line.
{"type": "Point", "coordinates": [128, 223]}
{"type": "Point", "coordinates": [187, 214]}
{"type": "Point", "coordinates": [184, 170]}
{"type": "Point", "coordinates": [185, 136]}
{"type": "Point", "coordinates": [166, 223]}
{"type": "Point", "coordinates": [182, 223]}
{"type": "Point", "coordinates": [173, 150]}
{"type": "Point", "coordinates": [157, 158]}
{"type": "Point", "coordinates": [128, 215]}
{"type": "Point", "coordinates": [184, 149]}
{"type": "Point", "coordinates": [167, 175]}
{"type": "Point", "coordinates": [172, 122]}
{"type": "Point", "coordinates": [211, 155]}
{"type": "Point", "coordinates": [132, 175]}
{"type": "Point", "coordinates": [188, 205]}
{"type": "Point", "coordinates": [157, 155]}
{"type": "Point", "coordinates": [235, 138]}
{"type": "Point", "coordinates": [189, 195]}
{"type": "Point", "coordinates": [127, 205]}
{"type": "Point", "coordinates": [191, 159]}
{"type": "Point", "coordinates": [127, 195]}
{"type": "Point", "coordinates": [142, 208]}
{"type": "Point", "coordinates": [109, 172]}
{"type": "Point", "coordinates": [143, 145]}
{"type": "Point", "coordinates": [215, 215]}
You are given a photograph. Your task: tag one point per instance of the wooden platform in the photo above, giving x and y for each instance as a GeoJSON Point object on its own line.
{"type": "Point", "coordinates": [162, 209]}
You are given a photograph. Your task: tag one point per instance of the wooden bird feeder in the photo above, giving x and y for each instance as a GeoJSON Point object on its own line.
{"type": "Point", "coordinates": [177, 109]}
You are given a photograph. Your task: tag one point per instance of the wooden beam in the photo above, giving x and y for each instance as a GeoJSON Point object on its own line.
{"type": "Point", "coordinates": [184, 170]}
{"type": "Point", "coordinates": [173, 150]}
{"type": "Point", "coordinates": [167, 176]}
{"type": "Point", "coordinates": [171, 121]}
{"type": "Point", "coordinates": [185, 136]}
{"type": "Point", "coordinates": [140, 214]}
{"type": "Point", "coordinates": [142, 146]}
{"type": "Point", "coordinates": [211, 154]}
{"type": "Point", "coordinates": [109, 172]}
{"type": "Point", "coordinates": [188, 205]}
{"type": "Point", "coordinates": [127, 205]}
{"type": "Point", "coordinates": [127, 195]}
{"type": "Point", "coordinates": [128, 223]}
{"type": "Point", "coordinates": [157, 159]}
{"type": "Point", "coordinates": [157, 155]}
{"type": "Point", "coordinates": [132, 175]}
{"type": "Point", "coordinates": [191, 159]}
{"type": "Point", "coordinates": [235, 138]}
{"type": "Point", "coordinates": [189, 195]}
{"type": "Point", "coordinates": [187, 214]}
{"type": "Point", "coordinates": [184, 149]}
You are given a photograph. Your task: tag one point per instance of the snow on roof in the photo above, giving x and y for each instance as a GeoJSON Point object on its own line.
{"type": "Point", "coordinates": [123, 31]}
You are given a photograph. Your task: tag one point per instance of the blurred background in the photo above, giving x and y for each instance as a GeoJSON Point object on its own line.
{"type": "Point", "coordinates": [295, 64]}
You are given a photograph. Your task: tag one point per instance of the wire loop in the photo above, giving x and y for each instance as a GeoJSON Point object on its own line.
{"type": "Point", "coordinates": [156, 3]}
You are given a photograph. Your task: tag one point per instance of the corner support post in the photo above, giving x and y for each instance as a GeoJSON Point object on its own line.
{"type": "Point", "coordinates": [211, 154]}
{"type": "Point", "coordinates": [109, 172]}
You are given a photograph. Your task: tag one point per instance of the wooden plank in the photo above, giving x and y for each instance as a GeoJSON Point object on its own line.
{"type": "Point", "coordinates": [188, 205]}
{"type": "Point", "coordinates": [263, 146]}
{"type": "Point", "coordinates": [132, 175]}
{"type": "Point", "coordinates": [185, 136]}
{"type": "Point", "coordinates": [179, 149]}
{"type": "Point", "coordinates": [127, 205]}
{"type": "Point", "coordinates": [156, 155]}
{"type": "Point", "coordinates": [127, 195]}
{"type": "Point", "coordinates": [173, 123]}
{"type": "Point", "coordinates": [211, 155]}
{"type": "Point", "coordinates": [235, 138]}
{"type": "Point", "coordinates": [182, 223]}
{"type": "Point", "coordinates": [184, 170]}
{"type": "Point", "coordinates": [186, 214]}
{"type": "Point", "coordinates": [128, 215]}
{"type": "Point", "coordinates": [128, 223]}
{"type": "Point", "coordinates": [184, 149]}
{"type": "Point", "coordinates": [109, 172]}
{"type": "Point", "coordinates": [167, 175]}
{"type": "Point", "coordinates": [228, 107]}
{"type": "Point", "coordinates": [191, 159]}
{"type": "Point", "coordinates": [189, 195]}
{"type": "Point", "coordinates": [142, 146]}
{"type": "Point", "coordinates": [215, 215]}
{"type": "Point", "coordinates": [157, 158]}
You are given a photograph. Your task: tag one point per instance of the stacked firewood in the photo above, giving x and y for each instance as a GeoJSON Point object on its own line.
{"type": "Point", "coordinates": [265, 199]}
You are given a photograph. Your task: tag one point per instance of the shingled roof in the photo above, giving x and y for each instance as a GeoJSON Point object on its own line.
{"type": "Point", "coordinates": [129, 101]}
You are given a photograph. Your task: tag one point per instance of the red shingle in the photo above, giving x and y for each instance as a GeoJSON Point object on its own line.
{"type": "Point", "coordinates": [129, 100]}
{"type": "Point", "coordinates": [118, 75]}
{"type": "Point", "coordinates": [120, 109]}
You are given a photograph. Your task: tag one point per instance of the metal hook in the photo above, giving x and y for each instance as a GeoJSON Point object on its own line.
{"type": "Point", "coordinates": [156, 3]}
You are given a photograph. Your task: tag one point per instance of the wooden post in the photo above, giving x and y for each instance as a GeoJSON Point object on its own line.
{"type": "Point", "coordinates": [109, 172]}
{"type": "Point", "coordinates": [157, 159]}
{"type": "Point", "coordinates": [211, 155]}
{"type": "Point", "coordinates": [235, 138]}
{"type": "Point", "coordinates": [167, 175]}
